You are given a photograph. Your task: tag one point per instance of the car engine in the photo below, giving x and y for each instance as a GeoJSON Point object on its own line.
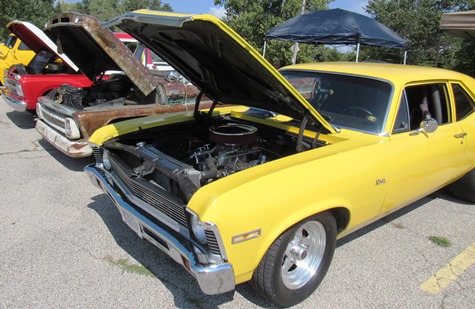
{"type": "Point", "coordinates": [234, 147]}
{"type": "Point", "coordinates": [117, 89]}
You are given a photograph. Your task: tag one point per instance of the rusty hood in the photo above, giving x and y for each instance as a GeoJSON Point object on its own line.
{"type": "Point", "coordinates": [95, 49]}
{"type": "Point", "coordinates": [218, 61]}
{"type": "Point", "coordinates": [37, 40]}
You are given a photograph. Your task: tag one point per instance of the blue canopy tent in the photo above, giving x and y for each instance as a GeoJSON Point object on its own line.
{"type": "Point", "coordinates": [337, 26]}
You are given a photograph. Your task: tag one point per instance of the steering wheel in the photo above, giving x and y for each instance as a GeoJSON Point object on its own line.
{"type": "Point", "coordinates": [360, 112]}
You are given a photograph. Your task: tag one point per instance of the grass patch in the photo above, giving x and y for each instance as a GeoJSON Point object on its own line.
{"type": "Point", "coordinates": [440, 241]}
{"type": "Point", "coordinates": [128, 267]}
{"type": "Point", "coordinates": [399, 226]}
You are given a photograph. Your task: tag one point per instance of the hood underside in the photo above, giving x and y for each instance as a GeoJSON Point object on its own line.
{"type": "Point", "coordinates": [217, 60]}
{"type": "Point", "coordinates": [37, 40]}
{"type": "Point", "coordinates": [95, 49]}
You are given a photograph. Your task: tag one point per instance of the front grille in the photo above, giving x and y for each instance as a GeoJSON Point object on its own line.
{"type": "Point", "coordinates": [148, 193]}
{"type": "Point", "coordinates": [53, 118]}
{"type": "Point", "coordinates": [97, 154]}
{"type": "Point", "coordinates": [212, 242]}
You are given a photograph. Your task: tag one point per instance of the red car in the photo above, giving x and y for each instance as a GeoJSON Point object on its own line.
{"type": "Point", "coordinates": [48, 69]}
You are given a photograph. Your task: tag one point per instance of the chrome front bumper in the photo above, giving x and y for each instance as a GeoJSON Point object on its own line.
{"type": "Point", "coordinates": [17, 105]}
{"type": "Point", "coordinates": [75, 149]}
{"type": "Point", "coordinates": [212, 279]}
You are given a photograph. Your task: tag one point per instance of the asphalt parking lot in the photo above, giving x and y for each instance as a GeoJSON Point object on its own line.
{"type": "Point", "coordinates": [63, 244]}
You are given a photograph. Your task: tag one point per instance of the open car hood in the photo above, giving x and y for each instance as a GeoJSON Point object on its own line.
{"type": "Point", "coordinates": [95, 49]}
{"type": "Point", "coordinates": [218, 61]}
{"type": "Point", "coordinates": [37, 40]}
{"type": "Point", "coordinates": [459, 24]}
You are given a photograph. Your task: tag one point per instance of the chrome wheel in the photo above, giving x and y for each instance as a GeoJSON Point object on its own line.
{"type": "Point", "coordinates": [297, 261]}
{"type": "Point", "coordinates": [303, 255]}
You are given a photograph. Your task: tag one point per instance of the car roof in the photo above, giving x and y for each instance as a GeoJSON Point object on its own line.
{"type": "Point", "coordinates": [396, 73]}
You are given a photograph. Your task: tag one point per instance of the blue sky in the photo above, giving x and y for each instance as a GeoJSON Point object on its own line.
{"type": "Point", "coordinates": [207, 6]}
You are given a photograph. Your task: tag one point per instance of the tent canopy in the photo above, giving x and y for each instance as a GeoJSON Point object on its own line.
{"type": "Point", "coordinates": [336, 26]}
{"type": "Point", "coordinates": [459, 23]}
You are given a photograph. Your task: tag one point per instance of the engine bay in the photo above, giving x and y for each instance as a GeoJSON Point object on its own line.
{"type": "Point", "coordinates": [114, 90]}
{"type": "Point", "coordinates": [183, 158]}
{"type": "Point", "coordinates": [232, 147]}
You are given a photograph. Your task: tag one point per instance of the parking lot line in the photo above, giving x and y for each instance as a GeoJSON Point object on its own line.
{"type": "Point", "coordinates": [448, 274]}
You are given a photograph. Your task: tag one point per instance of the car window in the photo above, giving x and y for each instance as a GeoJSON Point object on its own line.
{"type": "Point", "coordinates": [346, 101]}
{"type": "Point", "coordinates": [427, 101]}
{"type": "Point", "coordinates": [23, 46]}
{"type": "Point", "coordinates": [402, 123]}
{"type": "Point", "coordinates": [11, 41]}
{"type": "Point", "coordinates": [131, 45]}
{"type": "Point", "coordinates": [464, 104]}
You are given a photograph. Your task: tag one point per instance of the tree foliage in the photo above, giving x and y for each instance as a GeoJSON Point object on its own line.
{"type": "Point", "coordinates": [34, 11]}
{"type": "Point", "coordinates": [106, 9]}
{"type": "Point", "coordinates": [253, 18]}
{"type": "Point", "coordinates": [39, 11]}
{"type": "Point", "coordinates": [418, 22]}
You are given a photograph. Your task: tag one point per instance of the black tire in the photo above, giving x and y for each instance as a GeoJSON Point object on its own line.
{"type": "Point", "coordinates": [464, 188]}
{"type": "Point", "coordinates": [311, 242]}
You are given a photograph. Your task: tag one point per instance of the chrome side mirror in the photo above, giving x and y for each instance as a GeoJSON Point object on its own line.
{"type": "Point", "coordinates": [428, 125]}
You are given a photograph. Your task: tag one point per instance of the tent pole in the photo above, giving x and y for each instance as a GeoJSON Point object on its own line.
{"type": "Point", "coordinates": [295, 50]}
{"type": "Point", "coordinates": [357, 52]}
{"type": "Point", "coordinates": [264, 51]}
{"type": "Point", "coordinates": [296, 45]}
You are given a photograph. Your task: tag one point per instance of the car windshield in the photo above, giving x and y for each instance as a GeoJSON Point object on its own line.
{"type": "Point", "coordinates": [11, 40]}
{"type": "Point", "coordinates": [41, 59]}
{"type": "Point", "coordinates": [345, 101]}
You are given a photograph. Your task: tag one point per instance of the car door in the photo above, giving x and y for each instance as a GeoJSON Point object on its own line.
{"type": "Point", "coordinates": [423, 162]}
{"type": "Point", "coordinates": [464, 105]}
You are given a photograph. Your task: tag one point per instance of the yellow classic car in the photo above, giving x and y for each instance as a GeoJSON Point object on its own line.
{"type": "Point", "coordinates": [14, 51]}
{"type": "Point", "coordinates": [261, 188]}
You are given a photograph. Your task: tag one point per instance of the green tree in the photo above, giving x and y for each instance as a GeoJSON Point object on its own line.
{"type": "Point", "coordinates": [253, 18]}
{"type": "Point", "coordinates": [131, 5]}
{"type": "Point", "coordinates": [417, 22]}
{"type": "Point", "coordinates": [34, 11]}
{"type": "Point", "coordinates": [106, 9]}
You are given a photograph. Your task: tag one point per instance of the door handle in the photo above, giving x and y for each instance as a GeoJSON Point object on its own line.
{"type": "Point", "coordinates": [460, 135]}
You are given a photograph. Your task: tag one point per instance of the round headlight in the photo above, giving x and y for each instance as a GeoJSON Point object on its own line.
{"type": "Point", "coordinates": [106, 162]}
{"type": "Point", "coordinates": [71, 129]}
{"type": "Point", "coordinates": [197, 230]}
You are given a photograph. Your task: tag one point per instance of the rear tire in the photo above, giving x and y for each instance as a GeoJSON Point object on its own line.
{"type": "Point", "coordinates": [464, 188]}
{"type": "Point", "coordinates": [297, 261]}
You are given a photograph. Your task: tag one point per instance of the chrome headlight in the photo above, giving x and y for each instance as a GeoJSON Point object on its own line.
{"type": "Point", "coordinates": [106, 162]}
{"type": "Point", "coordinates": [198, 230]}
{"type": "Point", "coordinates": [71, 129]}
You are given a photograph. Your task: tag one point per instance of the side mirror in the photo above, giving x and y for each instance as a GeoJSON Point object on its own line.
{"type": "Point", "coordinates": [428, 125]}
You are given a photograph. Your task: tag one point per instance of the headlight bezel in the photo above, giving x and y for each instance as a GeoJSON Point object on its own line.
{"type": "Point", "coordinates": [71, 129]}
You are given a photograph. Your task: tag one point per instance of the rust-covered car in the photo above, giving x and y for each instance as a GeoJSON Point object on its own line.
{"type": "Point", "coordinates": [68, 115]}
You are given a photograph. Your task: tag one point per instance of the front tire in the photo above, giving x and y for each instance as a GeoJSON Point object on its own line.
{"type": "Point", "coordinates": [297, 261]}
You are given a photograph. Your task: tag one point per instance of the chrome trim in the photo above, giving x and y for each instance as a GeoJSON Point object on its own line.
{"type": "Point", "coordinates": [19, 106]}
{"type": "Point", "coordinates": [212, 278]}
{"type": "Point", "coordinates": [76, 148]}
{"type": "Point", "coordinates": [48, 116]}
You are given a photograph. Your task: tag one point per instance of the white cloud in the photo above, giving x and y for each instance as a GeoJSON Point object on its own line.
{"type": "Point", "coordinates": [219, 12]}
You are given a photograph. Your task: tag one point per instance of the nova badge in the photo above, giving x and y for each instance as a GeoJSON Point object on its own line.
{"type": "Point", "coordinates": [380, 181]}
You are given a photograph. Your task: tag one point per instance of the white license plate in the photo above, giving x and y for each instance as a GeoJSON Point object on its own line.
{"type": "Point", "coordinates": [131, 221]}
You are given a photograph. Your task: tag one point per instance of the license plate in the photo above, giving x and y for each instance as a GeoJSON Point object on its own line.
{"type": "Point", "coordinates": [131, 221]}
